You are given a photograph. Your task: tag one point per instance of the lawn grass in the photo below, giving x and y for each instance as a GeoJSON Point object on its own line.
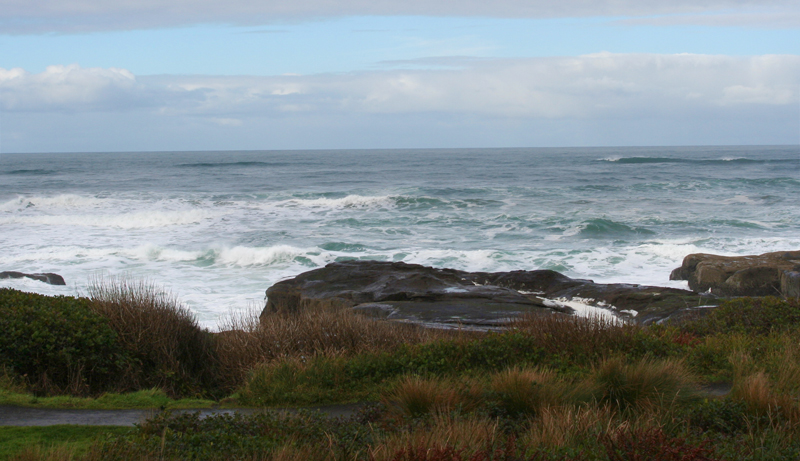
{"type": "Point", "coordinates": [146, 399]}
{"type": "Point", "coordinates": [68, 438]}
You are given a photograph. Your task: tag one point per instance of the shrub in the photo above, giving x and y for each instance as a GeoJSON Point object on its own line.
{"type": "Point", "coordinates": [758, 316]}
{"type": "Point", "coordinates": [241, 437]}
{"type": "Point", "coordinates": [167, 348]}
{"type": "Point", "coordinates": [249, 340]}
{"type": "Point", "coordinates": [57, 344]}
{"type": "Point", "coordinates": [726, 416]}
{"type": "Point", "coordinates": [299, 380]}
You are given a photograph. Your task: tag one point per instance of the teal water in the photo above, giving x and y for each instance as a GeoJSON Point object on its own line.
{"type": "Point", "coordinates": [218, 228]}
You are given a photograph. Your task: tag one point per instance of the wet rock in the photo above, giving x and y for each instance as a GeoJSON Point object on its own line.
{"type": "Point", "coordinates": [754, 275]}
{"type": "Point", "coordinates": [412, 292]}
{"type": "Point", "coordinates": [52, 279]}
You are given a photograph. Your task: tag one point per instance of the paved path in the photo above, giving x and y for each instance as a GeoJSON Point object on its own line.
{"type": "Point", "coordinates": [26, 416]}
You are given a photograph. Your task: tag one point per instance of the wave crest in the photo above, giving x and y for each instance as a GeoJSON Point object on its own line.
{"type": "Point", "coordinates": [62, 201]}
{"type": "Point", "coordinates": [350, 201]}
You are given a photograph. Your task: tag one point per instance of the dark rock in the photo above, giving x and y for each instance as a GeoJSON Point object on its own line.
{"type": "Point", "coordinates": [52, 279]}
{"type": "Point", "coordinates": [790, 283]}
{"type": "Point", "coordinates": [755, 275]}
{"type": "Point", "coordinates": [446, 296]}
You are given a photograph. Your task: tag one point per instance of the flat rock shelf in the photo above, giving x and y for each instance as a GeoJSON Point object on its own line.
{"type": "Point", "coordinates": [453, 298]}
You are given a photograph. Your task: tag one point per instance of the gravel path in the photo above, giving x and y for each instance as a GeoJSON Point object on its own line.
{"type": "Point", "coordinates": [26, 416]}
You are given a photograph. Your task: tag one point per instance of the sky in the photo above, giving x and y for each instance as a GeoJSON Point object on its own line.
{"type": "Point", "coordinates": [150, 75]}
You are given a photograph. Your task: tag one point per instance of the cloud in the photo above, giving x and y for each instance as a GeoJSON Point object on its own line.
{"type": "Point", "coordinates": [590, 86]}
{"type": "Point", "coordinates": [74, 89]}
{"type": "Point", "coordinates": [777, 19]}
{"type": "Point", "coordinates": [40, 16]}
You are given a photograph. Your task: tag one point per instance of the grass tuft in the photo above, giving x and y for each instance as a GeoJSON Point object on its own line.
{"type": "Point", "coordinates": [645, 383]}
{"type": "Point", "coordinates": [167, 348]}
{"type": "Point", "coordinates": [248, 341]}
{"type": "Point", "coordinates": [525, 391]}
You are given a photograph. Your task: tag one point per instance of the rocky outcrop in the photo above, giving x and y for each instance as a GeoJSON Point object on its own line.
{"type": "Point", "coordinates": [756, 275]}
{"type": "Point", "coordinates": [52, 279]}
{"type": "Point", "coordinates": [446, 296]}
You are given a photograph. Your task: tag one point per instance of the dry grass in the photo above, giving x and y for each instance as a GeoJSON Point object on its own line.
{"type": "Point", "coordinates": [560, 333]}
{"type": "Point", "coordinates": [643, 384]}
{"type": "Point", "coordinates": [247, 340]}
{"type": "Point", "coordinates": [470, 434]}
{"type": "Point", "coordinates": [169, 350]}
{"type": "Point", "coordinates": [415, 396]}
{"type": "Point", "coordinates": [526, 390]}
{"type": "Point", "coordinates": [761, 398]}
{"type": "Point", "coordinates": [559, 426]}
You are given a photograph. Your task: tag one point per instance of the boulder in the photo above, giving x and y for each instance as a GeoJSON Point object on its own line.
{"type": "Point", "coordinates": [754, 275]}
{"type": "Point", "coordinates": [52, 279]}
{"type": "Point", "coordinates": [416, 293]}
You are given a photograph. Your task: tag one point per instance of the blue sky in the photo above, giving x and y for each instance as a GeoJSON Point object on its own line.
{"type": "Point", "coordinates": [361, 43]}
{"type": "Point", "coordinates": [243, 75]}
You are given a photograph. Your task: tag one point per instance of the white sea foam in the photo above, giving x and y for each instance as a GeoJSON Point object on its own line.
{"type": "Point", "coordinates": [246, 256]}
{"type": "Point", "coordinates": [63, 201]}
{"type": "Point", "coordinates": [136, 220]}
{"type": "Point", "coordinates": [152, 252]}
{"type": "Point", "coordinates": [741, 199]}
{"type": "Point", "coordinates": [583, 308]}
{"type": "Point", "coordinates": [469, 260]}
{"type": "Point", "coordinates": [350, 201]}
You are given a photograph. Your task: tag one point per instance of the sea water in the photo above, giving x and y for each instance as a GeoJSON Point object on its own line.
{"type": "Point", "coordinates": [218, 228]}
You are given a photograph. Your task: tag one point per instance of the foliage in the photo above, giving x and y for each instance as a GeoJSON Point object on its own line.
{"type": "Point", "coordinates": [248, 339]}
{"type": "Point", "coordinates": [726, 416]}
{"type": "Point", "coordinates": [57, 344]}
{"type": "Point", "coordinates": [752, 316]}
{"type": "Point", "coordinates": [167, 348]}
{"type": "Point", "coordinates": [237, 436]}
{"type": "Point", "coordinates": [652, 444]}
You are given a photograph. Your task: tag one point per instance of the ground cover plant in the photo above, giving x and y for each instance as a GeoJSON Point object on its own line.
{"type": "Point", "coordinates": [550, 387]}
{"type": "Point", "coordinates": [60, 442]}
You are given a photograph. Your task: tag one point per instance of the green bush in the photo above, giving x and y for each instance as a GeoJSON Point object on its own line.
{"type": "Point", "coordinates": [726, 416]}
{"type": "Point", "coordinates": [757, 316]}
{"type": "Point", "coordinates": [57, 344]}
{"type": "Point", "coordinates": [241, 437]}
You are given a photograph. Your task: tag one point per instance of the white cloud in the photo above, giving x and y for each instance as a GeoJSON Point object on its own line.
{"type": "Point", "coordinates": [68, 88]}
{"type": "Point", "coordinates": [770, 19]}
{"type": "Point", "coordinates": [32, 16]}
{"type": "Point", "coordinates": [598, 85]}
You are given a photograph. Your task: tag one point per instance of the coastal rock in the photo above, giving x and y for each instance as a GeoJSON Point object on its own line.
{"type": "Point", "coordinates": [418, 293]}
{"type": "Point", "coordinates": [52, 279]}
{"type": "Point", "coordinates": [754, 275]}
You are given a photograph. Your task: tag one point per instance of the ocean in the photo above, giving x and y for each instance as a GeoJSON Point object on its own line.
{"type": "Point", "coordinates": [218, 228]}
